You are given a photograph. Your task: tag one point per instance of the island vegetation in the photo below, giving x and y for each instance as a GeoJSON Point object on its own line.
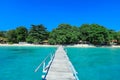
{"type": "Point", "coordinates": [63, 34]}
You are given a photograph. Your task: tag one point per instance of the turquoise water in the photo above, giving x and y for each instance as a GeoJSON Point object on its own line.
{"type": "Point", "coordinates": [96, 63]}
{"type": "Point", "coordinates": [19, 63]}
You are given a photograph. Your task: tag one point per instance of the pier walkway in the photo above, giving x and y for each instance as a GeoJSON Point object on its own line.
{"type": "Point", "coordinates": [60, 68]}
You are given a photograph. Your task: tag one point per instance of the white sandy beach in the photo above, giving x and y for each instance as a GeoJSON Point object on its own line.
{"type": "Point", "coordinates": [40, 45]}
{"type": "Point", "coordinates": [87, 45]}
{"type": "Point", "coordinates": [80, 45]}
{"type": "Point", "coordinates": [28, 45]}
{"type": "Point", "coordinates": [116, 46]}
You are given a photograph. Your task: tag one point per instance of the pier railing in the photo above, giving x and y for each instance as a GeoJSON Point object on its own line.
{"type": "Point", "coordinates": [45, 65]}
{"type": "Point", "coordinates": [72, 68]}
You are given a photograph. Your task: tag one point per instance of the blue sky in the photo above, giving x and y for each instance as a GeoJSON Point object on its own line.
{"type": "Point", "coordinates": [14, 13]}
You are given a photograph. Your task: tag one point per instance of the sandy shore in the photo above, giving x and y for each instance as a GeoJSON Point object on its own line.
{"type": "Point", "coordinates": [80, 45]}
{"type": "Point", "coordinates": [76, 45]}
{"type": "Point", "coordinates": [28, 45]}
{"type": "Point", "coordinates": [116, 46]}
{"type": "Point", "coordinates": [87, 45]}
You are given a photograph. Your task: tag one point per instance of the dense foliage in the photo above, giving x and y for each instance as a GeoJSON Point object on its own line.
{"type": "Point", "coordinates": [2, 34]}
{"type": "Point", "coordinates": [63, 34]}
{"type": "Point", "coordinates": [3, 38]}
{"type": "Point", "coordinates": [95, 34]}
{"type": "Point", "coordinates": [21, 33]}
{"type": "Point", "coordinates": [37, 34]}
{"type": "Point", "coordinates": [12, 36]}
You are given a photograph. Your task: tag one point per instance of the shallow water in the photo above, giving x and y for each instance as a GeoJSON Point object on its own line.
{"type": "Point", "coordinates": [96, 63]}
{"type": "Point", "coordinates": [19, 63]}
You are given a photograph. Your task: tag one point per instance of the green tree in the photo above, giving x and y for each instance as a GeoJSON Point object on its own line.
{"type": "Point", "coordinates": [21, 33]}
{"type": "Point", "coordinates": [100, 35]}
{"type": "Point", "coordinates": [37, 34]}
{"type": "Point", "coordinates": [95, 34]}
{"type": "Point", "coordinates": [85, 31]}
{"type": "Point", "coordinates": [64, 34]}
{"type": "Point", "coordinates": [3, 34]}
{"type": "Point", "coordinates": [118, 37]}
{"type": "Point", "coordinates": [11, 36]}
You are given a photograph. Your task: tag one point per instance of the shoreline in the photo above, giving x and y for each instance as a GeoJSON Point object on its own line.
{"type": "Point", "coordinates": [80, 45]}
{"type": "Point", "coordinates": [76, 45]}
{"type": "Point", "coordinates": [91, 46]}
{"type": "Point", "coordinates": [26, 45]}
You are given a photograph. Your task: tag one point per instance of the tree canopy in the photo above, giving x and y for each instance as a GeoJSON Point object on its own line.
{"type": "Point", "coordinates": [95, 34]}
{"type": "Point", "coordinates": [37, 34]}
{"type": "Point", "coordinates": [12, 36]}
{"type": "Point", "coordinates": [21, 33]}
{"type": "Point", "coordinates": [3, 34]}
{"type": "Point", "coordinates": [63, 34]}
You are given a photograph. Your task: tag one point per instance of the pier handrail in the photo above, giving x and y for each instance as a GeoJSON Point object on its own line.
{"type": "Point", "coordinates": [72, 67]}
{"type": "Point", "coordinates": [45, 67]}
{"type": "Point", "coordinates": [42, 63]}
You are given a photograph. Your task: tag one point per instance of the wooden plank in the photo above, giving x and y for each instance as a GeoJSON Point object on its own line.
{"type": "Point", "coordinates": [60, 68]}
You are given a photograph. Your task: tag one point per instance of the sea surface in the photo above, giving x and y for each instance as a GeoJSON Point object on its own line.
{"type": "Point", "coordinates": [96, 63]}
{"type": "Point", "coordinates": [19, 63]}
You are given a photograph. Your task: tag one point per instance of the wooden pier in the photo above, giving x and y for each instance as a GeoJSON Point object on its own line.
{"type": "Point", "coordinates": [60, 68]}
